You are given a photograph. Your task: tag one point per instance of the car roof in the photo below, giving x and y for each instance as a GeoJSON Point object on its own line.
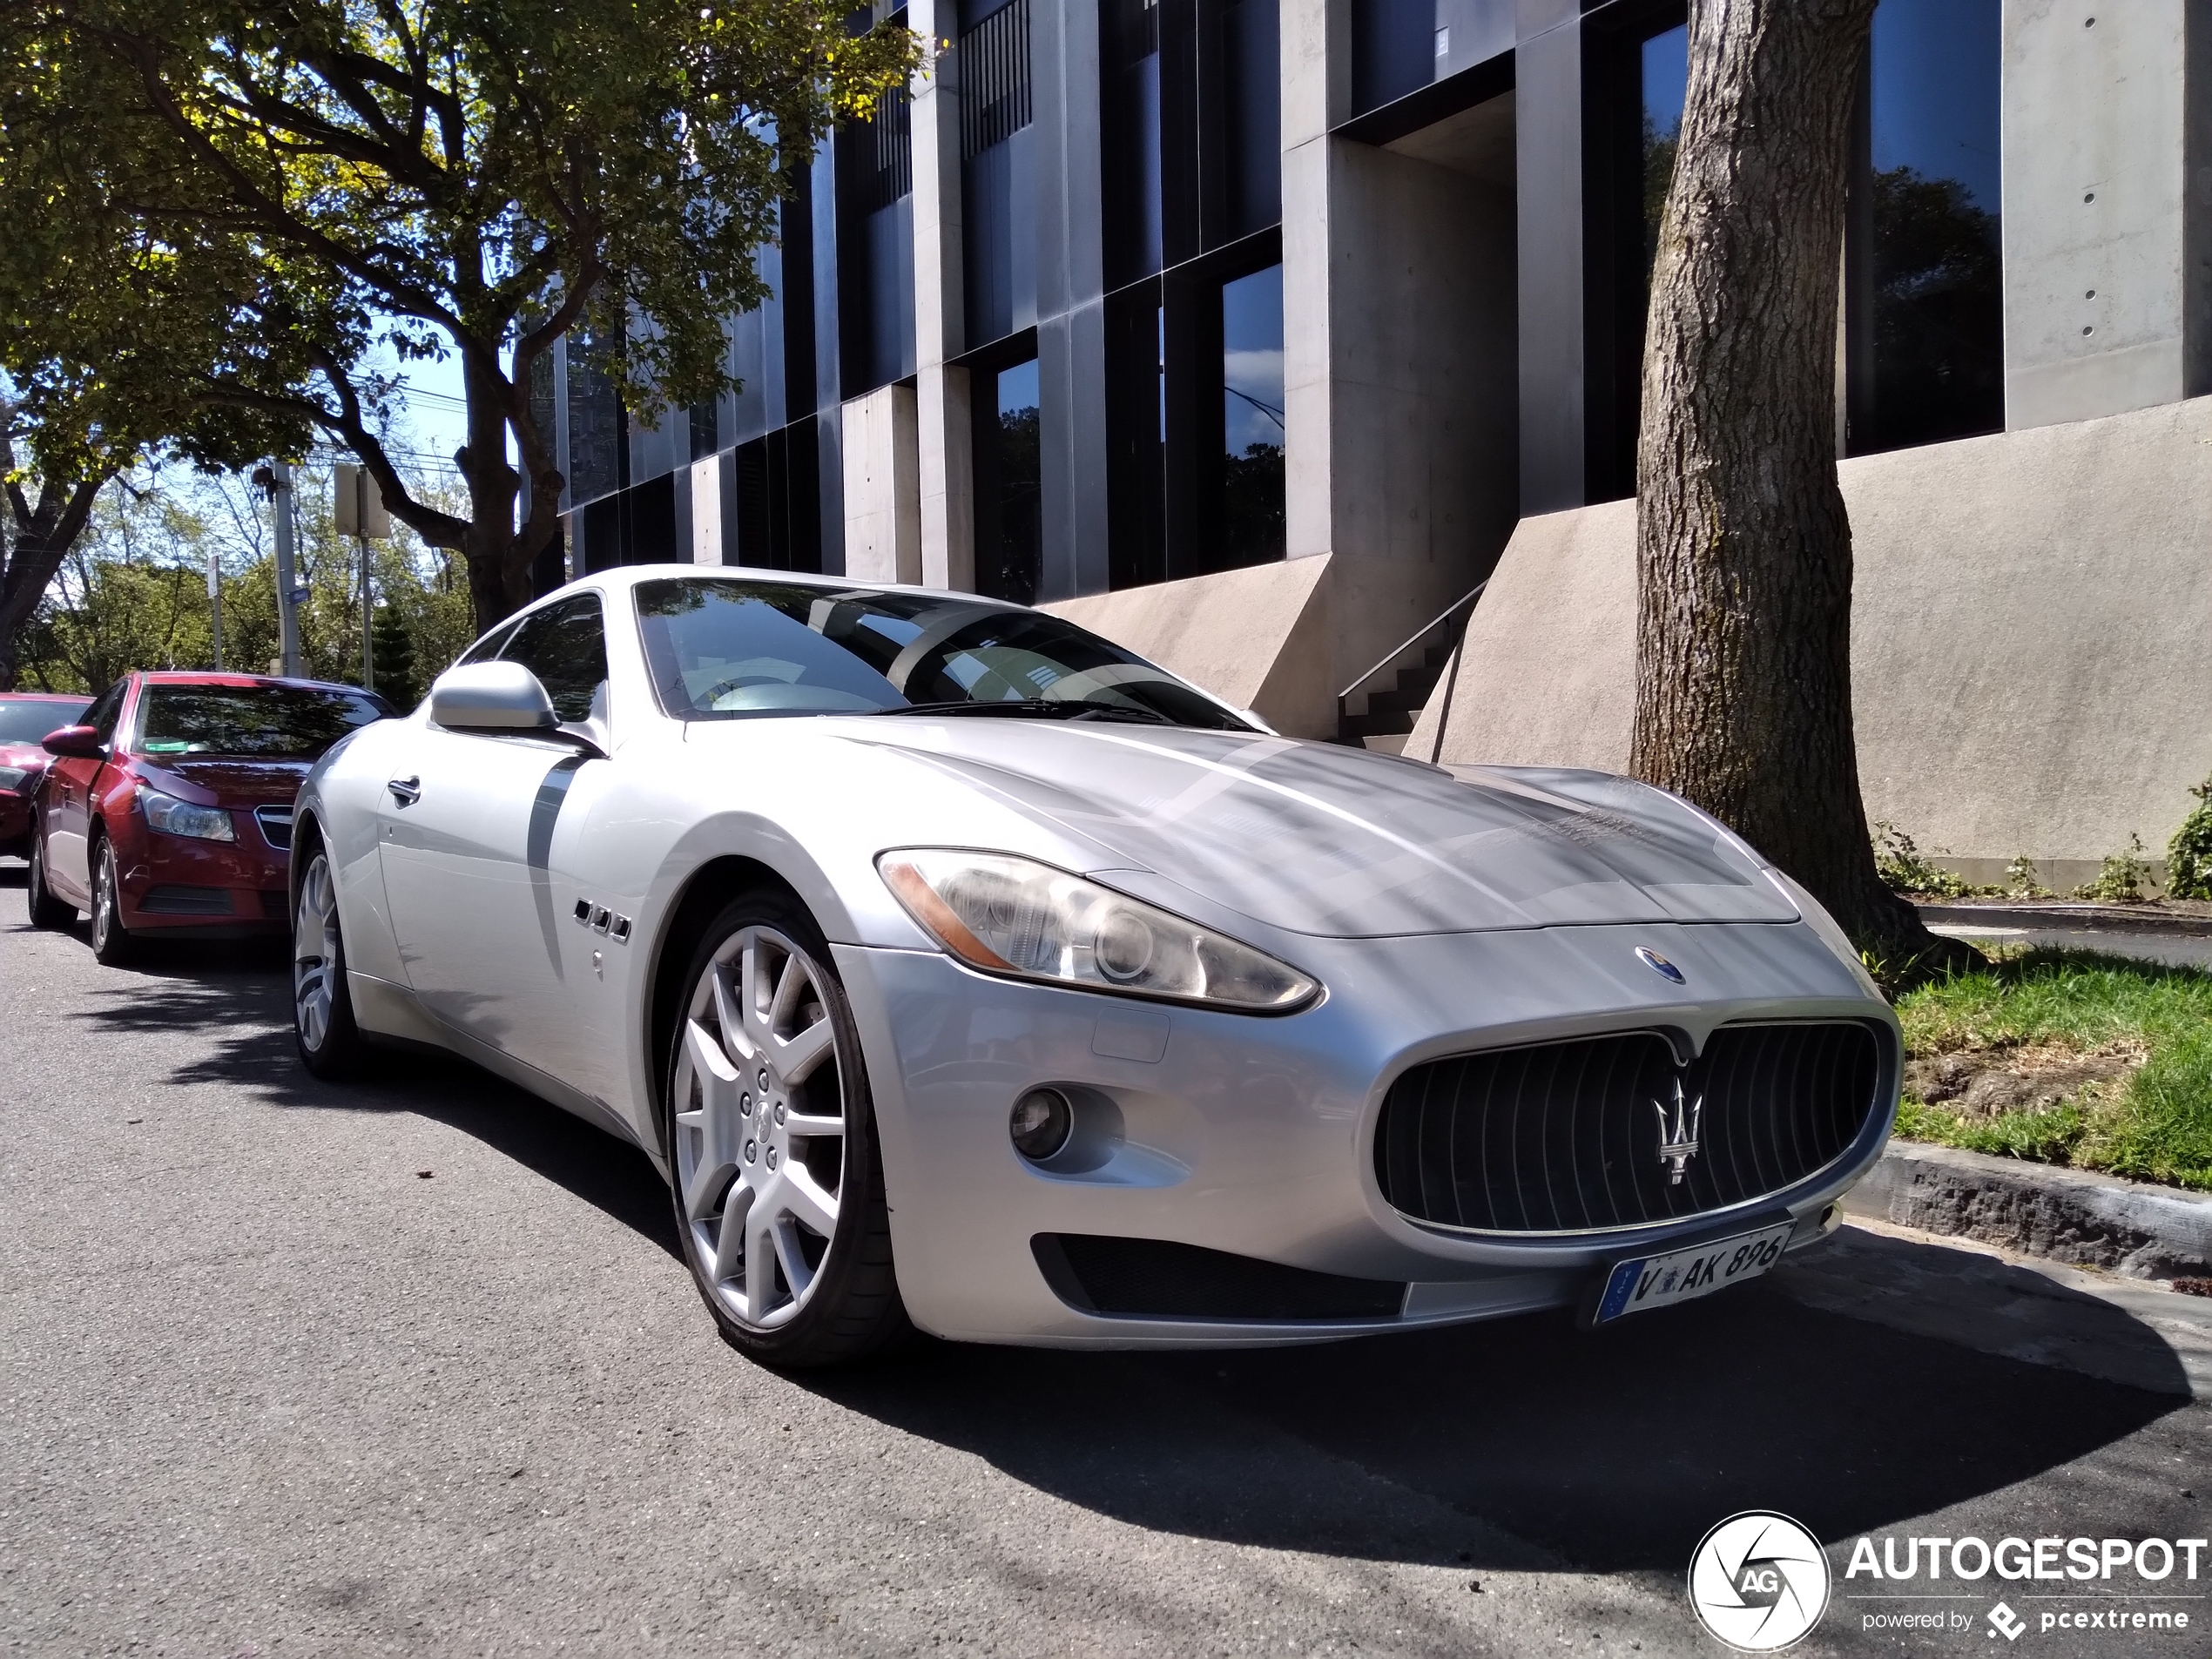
{"type": "Point", "coordinates": [628, 575]}
{"type": "Point", "coordinates": [46, 696]}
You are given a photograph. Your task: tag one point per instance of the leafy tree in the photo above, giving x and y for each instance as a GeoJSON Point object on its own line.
{"type": "Point", "coordinates": [472, 176]}
{"type": "Point", "coordinates": [1743, 547]}
{"type": "Point", "coordinates": [392, 653]}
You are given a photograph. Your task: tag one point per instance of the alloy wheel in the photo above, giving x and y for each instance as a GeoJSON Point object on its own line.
{"type": "Point", "coordinates": [761, 1126]}
{"type": "Point", "coordinates": [314, 953]}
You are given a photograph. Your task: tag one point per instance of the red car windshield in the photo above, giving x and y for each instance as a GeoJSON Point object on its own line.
{"type": "Point", "coordinates": [268, 722]}
{"type": "Point", "coordinates": [26, 719]}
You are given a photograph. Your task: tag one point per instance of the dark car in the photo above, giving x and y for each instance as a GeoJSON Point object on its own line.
{"type": "Point", "coordinates": [170, 808]}
{"type": "Point", "coordinates": [25, 718]}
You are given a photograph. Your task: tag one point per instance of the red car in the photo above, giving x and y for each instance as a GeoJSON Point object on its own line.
{"type": "Point", "coordinates": [170, 808]}
{"type": "Point", "coordinates": [26, 716]}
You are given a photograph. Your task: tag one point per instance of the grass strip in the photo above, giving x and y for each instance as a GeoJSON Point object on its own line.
{"type": "Point", "coordinates": [2153, 1125]}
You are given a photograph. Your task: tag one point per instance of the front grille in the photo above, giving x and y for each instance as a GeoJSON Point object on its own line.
{"type": "Point", "coordinates": [173, 900]}
{"type": "Point", "coordinates": [1154, 1278]}
{"type": "Point", "coordinates": [276, 825]}
{"type": "Point", "coordinates": [1565, 1136]}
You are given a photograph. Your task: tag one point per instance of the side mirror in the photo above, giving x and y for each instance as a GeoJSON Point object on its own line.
{"type": "Point", "coordinates": [495, 696]}
{"type": "Point", "coordinates": [74, 742]}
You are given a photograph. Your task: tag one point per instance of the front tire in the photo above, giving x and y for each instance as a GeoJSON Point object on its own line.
{"type": "Point", "coordinates": [779, 1194]}
{"type": "Point", "coordinates": [323, 1003]}
{"type": "Point", "coordinates": [114, 945]}
{"type": "Point", "coordinates": [46, 911]}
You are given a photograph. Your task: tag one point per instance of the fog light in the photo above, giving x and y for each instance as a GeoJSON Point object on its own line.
{"type": "Point", "coordinates": [1042, 1123]}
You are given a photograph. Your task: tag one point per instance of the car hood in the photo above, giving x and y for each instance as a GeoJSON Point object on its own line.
{"type": "Point", "coordinates": [227, 781]}
{"type": "Point", "coordinates": [1316, 838]}
{"type": "Point", "coordinates": [29, 756]}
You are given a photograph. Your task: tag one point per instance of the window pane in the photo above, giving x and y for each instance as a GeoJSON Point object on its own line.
{"type": "Point", "coordinates": [1252, 370]}
{"type": "Point", "coordinates": [728, 648]}
{"type": "Point", "coordinates": [1936, 261]}
{"type": "Point", "coordinates": [565, 646]}
{"type": "Point", "coordinates": [29, 719]}
{"type": "Point", "coordinates": [289, 721]}
{"type": "Point", "coordinates": [1666, 79]}
{"type": "Point", "coordinates": [1007, 564]}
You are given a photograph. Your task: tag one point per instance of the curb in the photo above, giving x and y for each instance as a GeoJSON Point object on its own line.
{"type": "Point", "coordinates": [2071, 1215]}
{"type": "Point", "coordinates": [2062, 918]}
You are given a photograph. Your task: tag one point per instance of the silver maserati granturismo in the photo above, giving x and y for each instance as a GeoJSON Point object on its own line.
{"type": "Point", "coordinates": [960, 970]}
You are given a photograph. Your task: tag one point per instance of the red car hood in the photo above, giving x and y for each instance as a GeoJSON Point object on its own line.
{"type": "Point", "coordinates": [218, 782]}
{"type": "Point", "coordinates": [29, 756]}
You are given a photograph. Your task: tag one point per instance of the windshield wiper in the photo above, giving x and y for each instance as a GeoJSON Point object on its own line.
{"type": "Point", "coordinates": [1038, 708]}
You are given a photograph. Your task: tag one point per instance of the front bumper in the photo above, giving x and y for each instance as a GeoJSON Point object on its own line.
{"type": "Point", "coordinates": [180, 881]}
{"type": "Point", "coordinates": [1254, 1136]}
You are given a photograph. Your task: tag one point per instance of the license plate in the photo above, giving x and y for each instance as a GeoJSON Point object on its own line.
{"type": "Point", "coordinates": [1685, 1275]}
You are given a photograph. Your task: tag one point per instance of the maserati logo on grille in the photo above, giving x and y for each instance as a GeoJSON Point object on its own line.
{"type": "Point", "coordinates": [1658, 964]}
{"type": "Point", "coordinates": [1678, 1134]}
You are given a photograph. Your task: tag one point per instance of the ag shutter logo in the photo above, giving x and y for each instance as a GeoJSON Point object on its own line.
{"type": "Point", "coordinates": [1758, 1581]}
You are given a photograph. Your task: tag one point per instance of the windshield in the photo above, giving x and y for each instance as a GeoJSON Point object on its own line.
{"type": "Point", "coordinates": [274, 722]}
{"type": "Point", "coordinates": [25, 719]}
{"type": "Point", "coordinates": [725, 648]}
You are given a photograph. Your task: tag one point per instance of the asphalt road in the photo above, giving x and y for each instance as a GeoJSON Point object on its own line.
{"type": "Point", "coordinates": [412, 1366]}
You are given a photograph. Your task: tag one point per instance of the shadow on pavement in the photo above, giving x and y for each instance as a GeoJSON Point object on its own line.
{"type": "Point", "coordinates": [242, 991]}
{"type": "Point", "coordinates": [1616, 1450]}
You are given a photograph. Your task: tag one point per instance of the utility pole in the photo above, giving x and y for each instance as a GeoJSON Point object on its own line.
{"type": "Point", "coordinates": [215, 604]}
{"type": "Point", "coordinates": [276, 479]}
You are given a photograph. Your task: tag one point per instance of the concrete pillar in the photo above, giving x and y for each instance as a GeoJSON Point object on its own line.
{"type": "Point", "coordinates": [946, 475]}
{"type": "Point", "coordinates": [1547, 116]}
{"type": "Point", "coordinates": [2108, 200]}
{"type": "Point", "coordinates": [882, 487]}
{"type": "Point", "coordinates": [1315, 67]}
{"type": "Point", "coordinates": [706, 489]}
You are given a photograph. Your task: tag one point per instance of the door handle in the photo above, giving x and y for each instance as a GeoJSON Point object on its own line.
{"type": "Point", "coordinates": [406, 791]}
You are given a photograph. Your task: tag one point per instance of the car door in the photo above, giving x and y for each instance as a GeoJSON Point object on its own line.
{"type": "Point", "coordinates": [66, 808]}
{"type": "Point", "coordinates": [467, 824]}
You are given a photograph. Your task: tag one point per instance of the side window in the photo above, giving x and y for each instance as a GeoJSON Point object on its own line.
{"type": "Point", "coordinates": [487, 648]}
{"type": "Point", "coordinates": [103, 715]}
{"type": "Point", "coordinates": [565, 645]}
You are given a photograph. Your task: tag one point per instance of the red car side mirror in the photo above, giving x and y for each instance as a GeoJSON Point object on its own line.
{"type": "Point", "coordinates": [80, 742]}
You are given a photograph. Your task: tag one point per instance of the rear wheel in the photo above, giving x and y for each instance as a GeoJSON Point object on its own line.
{"type": "Point", "coordinates": [780, 1193]}
{"type": "Point", "coordinates": [322, 1004]}
{"type": "Point", "coordinates": [46, 911]}
{"type": "Point", "coordinates": [114, 945]}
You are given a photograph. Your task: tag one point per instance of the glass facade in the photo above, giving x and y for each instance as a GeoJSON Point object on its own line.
{"type": "Point", "coordinates": [1009, 506]}
{"type": "Point", "coordinates": [1928, 307]}
{"type": "Point", "coordinates": [1252, 425]}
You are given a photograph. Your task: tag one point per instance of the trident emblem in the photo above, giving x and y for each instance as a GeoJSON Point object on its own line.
{"type": "Point", "coordinates": [1678, 1139]}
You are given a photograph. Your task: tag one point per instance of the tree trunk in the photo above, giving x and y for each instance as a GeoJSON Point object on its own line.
{"type": "Point", "coordinates": [1743, 545]}
{"type": "Point", "coordinates": [43, 536]}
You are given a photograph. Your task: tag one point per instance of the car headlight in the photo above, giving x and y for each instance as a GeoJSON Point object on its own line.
{"type": "Point", "coordinates": [12, 778]}
{"type": "Point", "coordinates": [1012, 915]}
{"type": "Point", "coordinates": [174, 817]}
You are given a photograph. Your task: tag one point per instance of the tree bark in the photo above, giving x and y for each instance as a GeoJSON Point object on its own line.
{"type": "Point", "coordinates": [1744, 554]}
{"type": "Point", "coordinates": [42, 537]}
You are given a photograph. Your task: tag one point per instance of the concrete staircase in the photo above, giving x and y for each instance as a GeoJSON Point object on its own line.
{"type": "Point", "coordinates": [1393, 704]}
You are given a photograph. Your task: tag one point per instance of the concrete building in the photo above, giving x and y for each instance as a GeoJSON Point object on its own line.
{"type": "Point", "coordinates": [1254, 334]}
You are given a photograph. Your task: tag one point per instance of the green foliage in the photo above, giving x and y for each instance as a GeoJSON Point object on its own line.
{"type": "Point", "coordinates": [1903, 868]}
{"type": "Point", "coordinates": [2123, 878]}
{"type": "Point", "coordinates": [251, 196]}
{"type": "Point", "coordinates": [2157, 1127]}
{"type": "Point", "coordinates": [392, 654]}
{"type": "Point", "coordinates": [2021, 882]}
{"type": "Point", "coordinates": [2188, 855]}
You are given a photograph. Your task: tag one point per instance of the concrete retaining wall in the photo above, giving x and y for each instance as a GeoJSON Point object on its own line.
{"type": "Point", "coordinates": [2031, 650]}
